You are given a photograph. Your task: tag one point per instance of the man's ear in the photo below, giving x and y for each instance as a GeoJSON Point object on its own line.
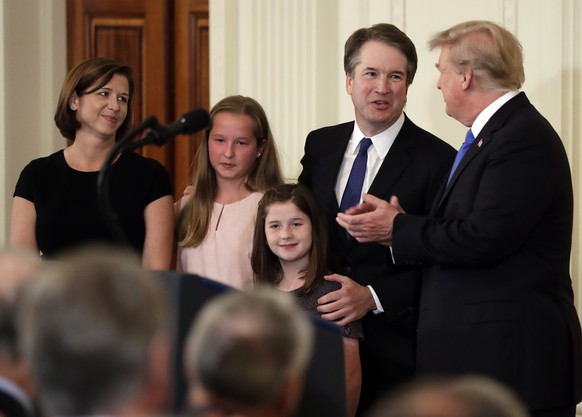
{"type": "Point", "coordinates": [467, 78]}
{"type": "Point", "coordinates": [349, 81]}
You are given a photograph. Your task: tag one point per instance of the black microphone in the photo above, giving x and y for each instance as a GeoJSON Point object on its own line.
{"type": "Point", "coordinates": [188, 123]}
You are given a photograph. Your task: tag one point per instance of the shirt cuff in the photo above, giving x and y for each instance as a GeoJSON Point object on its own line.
{"type": "Point", "coordinates": [392, 254]}
{"type": "Point", "coordinates": [379, 309]}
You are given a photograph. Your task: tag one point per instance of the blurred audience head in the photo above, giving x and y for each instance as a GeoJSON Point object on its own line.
{"type": "Point", "coordinates": [16, 267]}
{"type": "Point", "coordinates": [246, 354]}
{"type": "Point", "coordinates": [465, 396]}
{"type": "Point", "coordinates": [94, 329]}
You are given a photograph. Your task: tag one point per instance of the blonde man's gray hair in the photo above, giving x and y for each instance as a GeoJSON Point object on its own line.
{"type": "Point", "coordinates": [244, 346]}
{"type": "Point", "coordinates": [493, 53]}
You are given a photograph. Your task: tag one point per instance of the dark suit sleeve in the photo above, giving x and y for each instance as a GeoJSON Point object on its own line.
{"type": "Point", "coordinates": [416, 197]}
{"type": "Point", "coordinates": [508, 190]}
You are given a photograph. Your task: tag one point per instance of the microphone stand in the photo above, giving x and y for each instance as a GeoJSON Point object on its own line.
{"type": "Point", "coordinates": [125, 143]}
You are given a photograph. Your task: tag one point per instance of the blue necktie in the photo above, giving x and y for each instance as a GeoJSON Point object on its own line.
{"type": "Point", "coordinates": [353, 191]}
{"type": "Point", "coordinates": [469, 138]}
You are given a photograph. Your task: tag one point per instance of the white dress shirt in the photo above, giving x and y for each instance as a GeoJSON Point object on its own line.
{"type": "Point", "coordinates": [381, 144]}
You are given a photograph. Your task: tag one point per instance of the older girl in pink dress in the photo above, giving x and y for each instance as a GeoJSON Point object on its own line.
{"type": "Point", "coordinates": [235, 163]}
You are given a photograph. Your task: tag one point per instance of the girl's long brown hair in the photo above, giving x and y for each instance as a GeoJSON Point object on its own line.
{"type": "Point", "coordinates": [194, 218]}
{"type": "Point", "coordinates": [266, 265]}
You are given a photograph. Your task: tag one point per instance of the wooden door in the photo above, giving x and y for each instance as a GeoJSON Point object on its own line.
{"type": "Point", "coordinates": [191, 78]}
{"type": "Point", "coordinates": [165, 42]}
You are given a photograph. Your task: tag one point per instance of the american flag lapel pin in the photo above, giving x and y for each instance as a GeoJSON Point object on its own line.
{"type": "Point", "coordinates": [480, 143]}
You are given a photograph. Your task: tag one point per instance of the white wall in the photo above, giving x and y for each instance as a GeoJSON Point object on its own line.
{"type": "Point", "coordinates": [33, 51]}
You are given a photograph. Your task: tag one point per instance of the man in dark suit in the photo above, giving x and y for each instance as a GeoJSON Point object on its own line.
{"type": "Point", "coordinates": [403, 159]}
{"type": "Point", "coordinates": [496, 296]}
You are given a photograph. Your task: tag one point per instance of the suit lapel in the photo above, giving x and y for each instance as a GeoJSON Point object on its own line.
{"type": "Point", "coordinates": [478, 145]}
{"type": "Point", "coordinates": [481, 141]}
{"type": "Point", "coordinates": [395, 162]}
{"type": "Point", "coordinates": [332, 163]}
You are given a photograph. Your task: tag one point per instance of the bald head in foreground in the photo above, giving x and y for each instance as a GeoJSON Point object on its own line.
{"type": "Point", "coordinates": [247, 353]}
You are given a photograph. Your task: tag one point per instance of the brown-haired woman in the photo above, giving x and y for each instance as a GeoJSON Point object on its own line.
{"type": "Point", "coordinates": [55, 205]}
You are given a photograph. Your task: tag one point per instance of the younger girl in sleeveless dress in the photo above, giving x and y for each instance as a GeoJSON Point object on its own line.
{"type": "Point", "coordinates": [290, 251]}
